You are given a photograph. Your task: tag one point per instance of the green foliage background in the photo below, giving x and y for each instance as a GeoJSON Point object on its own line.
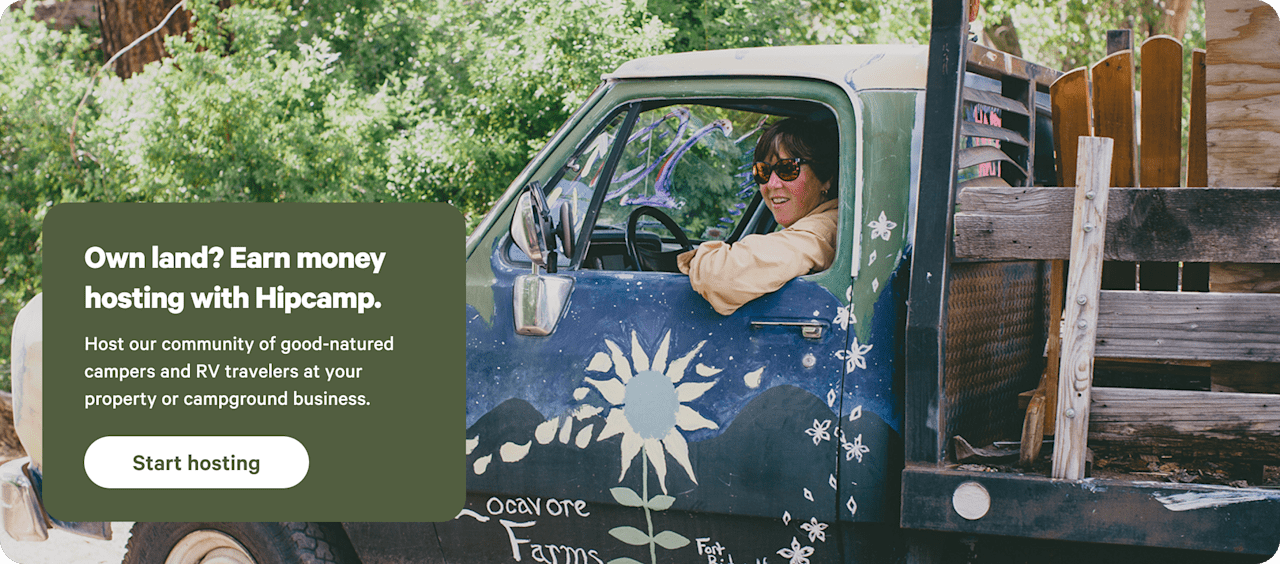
{"type": "Point", "coordinates": [387, 100]}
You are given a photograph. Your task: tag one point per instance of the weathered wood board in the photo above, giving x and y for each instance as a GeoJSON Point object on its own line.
{"type": "Point", "coordinates": [1075, 371]}
{"type": "Point", "coordinates": [1243, 93]}
{"type": "Point", "coordinates": [1161, 224]}
{"type": "Point", "coordinates": [1189, 325]}
{"type": "Point", "coordinates": [1200, 424]}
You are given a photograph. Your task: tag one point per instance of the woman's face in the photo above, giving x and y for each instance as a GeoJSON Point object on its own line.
{"type": "Point", "coordinates": [790, 200]}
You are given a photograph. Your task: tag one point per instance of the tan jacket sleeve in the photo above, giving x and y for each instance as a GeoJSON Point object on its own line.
{"type": "Point", "coordinates": [729, 276]}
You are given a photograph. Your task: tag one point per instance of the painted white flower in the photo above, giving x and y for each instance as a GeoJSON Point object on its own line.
{"type": "Point", "coordinates": [855, 449]}
{"type": "Point", "coordinates": [844, 314]}
{"type": "Point", "coordinates": [816, 530]}
{"type": "Point", "coordinates": [882, 228]}
{"type": "Point", "coordinates": [649, 410]}
{"type": "Point", "coordinates": [856, 356]}
{"type": "Point", "coordinates": [832, 396]}
{"type": "Point", "coordinates": [852, 506]}
{"type": "Point", "coordinates": [819, 431]}
{"type": "Point", "coordinates": [796, 554]}
{"type": "Point", "coordinates": [856, 414]}
{"type": "Point", "coordinates": [844, 317]}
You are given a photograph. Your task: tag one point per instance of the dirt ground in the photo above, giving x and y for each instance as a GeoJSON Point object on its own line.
{"type": "Point", "coordinates": [66, 548]}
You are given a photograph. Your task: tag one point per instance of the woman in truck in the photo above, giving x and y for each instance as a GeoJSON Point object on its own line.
{"type": "Point", "coordinates": [796, 166]}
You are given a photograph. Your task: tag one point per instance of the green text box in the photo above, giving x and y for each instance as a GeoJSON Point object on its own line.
{"type": "Point", "coordinates": [185, 291]}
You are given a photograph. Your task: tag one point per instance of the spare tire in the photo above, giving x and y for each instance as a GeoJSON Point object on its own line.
{"type": "Point", "coordinates": [239, 543]}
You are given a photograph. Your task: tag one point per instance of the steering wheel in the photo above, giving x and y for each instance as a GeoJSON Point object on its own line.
{"type": "Point", "coordinates": [649, 260]}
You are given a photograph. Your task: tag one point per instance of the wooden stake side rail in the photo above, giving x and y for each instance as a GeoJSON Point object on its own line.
{"type": "Point", "coordinates": [1217, 425]}
{"type": "Point", "coordinates": [1240, 225]}
{"type": "Point", "coordinates": [1189, 326]}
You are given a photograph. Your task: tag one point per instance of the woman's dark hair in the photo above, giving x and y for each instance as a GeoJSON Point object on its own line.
{"type": "Point", "coordinates": [816, 141]}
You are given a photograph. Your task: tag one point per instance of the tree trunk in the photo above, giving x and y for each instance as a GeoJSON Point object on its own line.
{"type": "Point", "coordinates": [123, 21]}
{"type": "Point", "coordinates": [1175, 19]}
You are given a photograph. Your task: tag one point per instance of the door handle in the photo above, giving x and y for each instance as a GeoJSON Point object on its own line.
{"type": "Point", "coordinates": [809, 329]}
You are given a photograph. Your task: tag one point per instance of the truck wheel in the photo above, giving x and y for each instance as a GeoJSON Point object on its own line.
{"type": "Point", "coordinates": [238, 543]}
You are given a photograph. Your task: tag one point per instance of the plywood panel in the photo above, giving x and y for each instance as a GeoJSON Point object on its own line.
{"type": "Point", "coordinates": [1243, 93]}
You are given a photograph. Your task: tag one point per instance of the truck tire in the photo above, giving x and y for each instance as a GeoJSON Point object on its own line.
{"type": "Point", "coordinates": [239, 543]}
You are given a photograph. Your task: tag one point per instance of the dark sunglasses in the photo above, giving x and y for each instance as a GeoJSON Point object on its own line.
{"type": "Point", "coordinates": [786, 169]}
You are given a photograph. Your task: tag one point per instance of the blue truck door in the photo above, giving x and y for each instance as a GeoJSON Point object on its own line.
{"type": "Point", "coordinates": [647, 426]}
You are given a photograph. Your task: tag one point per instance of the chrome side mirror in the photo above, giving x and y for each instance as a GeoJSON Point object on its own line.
{"type": "Point", "coordinates": [531, 227]}
{"type": "Point", "coordinates": [539, 300]}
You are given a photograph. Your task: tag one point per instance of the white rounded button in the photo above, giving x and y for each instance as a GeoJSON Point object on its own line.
{"type": "Point", "coordinates": [117, 462]}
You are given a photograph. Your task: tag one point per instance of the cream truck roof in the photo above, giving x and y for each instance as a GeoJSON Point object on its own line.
{"type": "Point", "coordinates": [859, 67]}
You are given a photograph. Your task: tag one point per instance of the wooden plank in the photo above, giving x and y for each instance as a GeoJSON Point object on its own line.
{"type": "Point", "coordinates": [1197, 142]}
{"type": "Point", "coordinates": [1257, 278]}
{"type": "Point", "coordinates": [1113, 114]}
{"type": "Point", "coordinates": [1057, 295]}
{"type": "Point", "coordinates": [1162, 224]}
{"type": "Point", "coordinates": [1072, 119]}
{"type": "Point", "coordinates": [1203, 424]}
{"type": "Point", "coordinates": [1161, 112]}
{"type": "Point", "coordinates": [1242, 93]}
{"type": "Point", "coordinates": [1039, 419]}
{"type": "Point", "coordinates": [1083, 284]}
{"type": "Point", "coordinates": [1189, 325]}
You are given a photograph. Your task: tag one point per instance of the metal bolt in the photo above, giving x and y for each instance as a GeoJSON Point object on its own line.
{"type": "Point", "coordinates": [1088, 227]}
{"type": "Point", "coordinates": [1082, 324]}
{"type": "Point", "coordinates": [1082, 299]}
{"type": "Point", "coordinates": [808, 360]}
{"type": "Point", "coordinates": [1090, 195]}
{"type": "Point", "coordinates": [1070, 413]}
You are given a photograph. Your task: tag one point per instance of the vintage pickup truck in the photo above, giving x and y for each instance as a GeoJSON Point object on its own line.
{"type": "Point", "coordinates": [614, 417]}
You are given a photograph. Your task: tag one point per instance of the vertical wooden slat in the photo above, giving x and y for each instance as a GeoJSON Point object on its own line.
{"type": "Point", "coordinates": [1113, 114]}
{"type": "Point", "coordinates": [1161, 112]}
{"type": "Point", "coordinates": [1088, 233]}
{"type": "Point", "coordinates": [1114, 117]}
{"type": "Point", "coordinates": [1161, 138]}
{"type": "Point", "coordinates": [1072, 119]}
{"type": "Point", "coordinates": [1195, 276]}
{"type": "Point", "coordinates": [1197, 141]}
